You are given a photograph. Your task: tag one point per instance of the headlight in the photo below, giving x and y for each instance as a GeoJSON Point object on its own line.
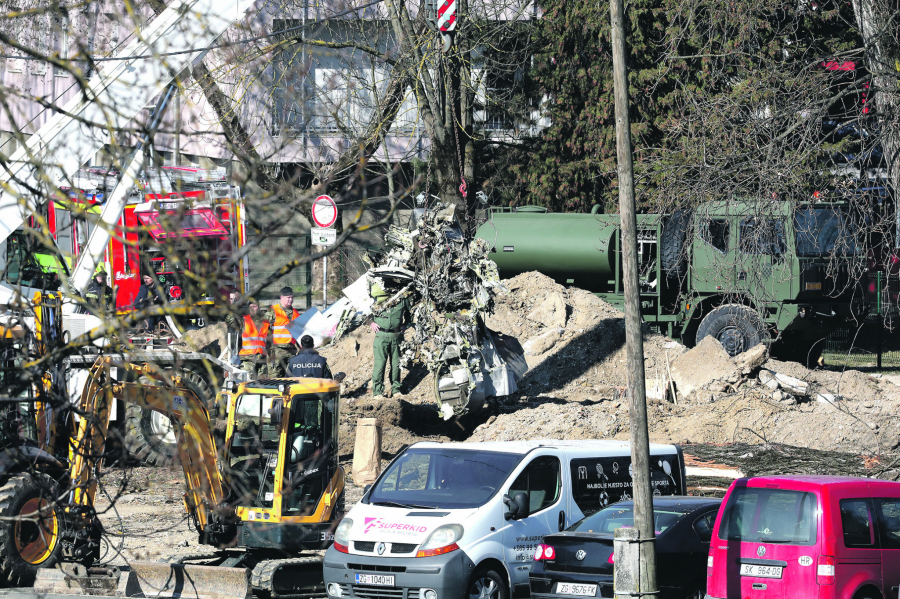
{"type": "Point", "coordinates": [342, 533]}
{"type": "Point", "coordinates": [443, 536]}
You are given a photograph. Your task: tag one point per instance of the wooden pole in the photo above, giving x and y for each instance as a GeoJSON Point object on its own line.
{"type": "Point", "coordinates": [634, 343]}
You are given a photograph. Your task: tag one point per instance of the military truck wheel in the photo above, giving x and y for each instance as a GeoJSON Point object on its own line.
{"type": "Point", "coordinates": [150, 436]}
{"type": "Point", "coordinates": [736, 327]}
{"type": "Point", "coordinates": [29, 528]}
{"type": "Point", "coordinates": [671, 245]}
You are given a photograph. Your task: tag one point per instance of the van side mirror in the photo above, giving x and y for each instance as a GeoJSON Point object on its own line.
{"type": "Point", "coordinates": [522, 503]}
{"type": "Point", "coordinates": [511, 508]}
{"type": "Point", "coordinates": [366, 489]}
{"type": "Point", "coordinates": [517, 508]}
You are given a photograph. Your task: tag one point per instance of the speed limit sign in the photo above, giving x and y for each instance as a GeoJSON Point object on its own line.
{"type": "Point", "coordinates": [324, 211]}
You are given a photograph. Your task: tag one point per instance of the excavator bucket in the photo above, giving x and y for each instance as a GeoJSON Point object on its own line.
{"type": "Point", "coordinates": [184, 580]}
{"type": "Point", "coordinates": [147, 579]}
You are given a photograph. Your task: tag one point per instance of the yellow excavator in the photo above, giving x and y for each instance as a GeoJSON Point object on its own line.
{"type": "Point", "coordinates": [272, 491]}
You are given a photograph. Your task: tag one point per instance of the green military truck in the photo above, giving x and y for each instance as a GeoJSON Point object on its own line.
{"type": "Point", "coordinates": [745, 272]}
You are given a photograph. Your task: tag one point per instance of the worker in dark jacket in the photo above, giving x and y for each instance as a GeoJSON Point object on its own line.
{"type": "Point", "coordinates": [99, 295]}
{"type": "Point", "coordinates": [308, 363]}
{"type": "Point", "coordinates": [148, 295]}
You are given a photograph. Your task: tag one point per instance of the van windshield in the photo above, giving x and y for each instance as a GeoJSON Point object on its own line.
{"type": "Point", "coordinates": [443, 478]}
{"type": "Point", "coordinates": [757, 515]}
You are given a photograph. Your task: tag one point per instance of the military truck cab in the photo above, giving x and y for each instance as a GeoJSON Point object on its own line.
{"type": "Point", "coordinates": [742, 271]}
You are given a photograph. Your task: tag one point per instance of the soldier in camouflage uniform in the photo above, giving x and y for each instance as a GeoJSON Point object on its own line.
{"type": "Point", "coordinates": [388, 327]}
{"type": "Point", "coordinates": [254, 332]}
{"type": "Point", "coordinates": [283, 346]}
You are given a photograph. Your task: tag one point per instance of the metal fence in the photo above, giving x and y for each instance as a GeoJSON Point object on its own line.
{"type": "Point", "coordinates": [274, 252]}
{"type": "Point", "coordinates": [874, 344]}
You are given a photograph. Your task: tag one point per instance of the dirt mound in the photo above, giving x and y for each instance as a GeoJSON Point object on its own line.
{"type": "Point", "coordinates": [575, 388]}
{"type": "Point", "coordinates": [211, 339]}
{"type": "Point", "coordinates": [587, 357]}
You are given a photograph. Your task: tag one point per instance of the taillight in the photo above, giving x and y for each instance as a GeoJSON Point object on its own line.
{"type": "Point", "coordinates": [709, 564]}
{"type": "Point", "coordinates": [612, 558]}
{"type": "Point", "coordinates": [544, 552]}
{"type": "Point", "coordinates": [339, 547]}
{"type": "Point", "coordinates": [825, 569]}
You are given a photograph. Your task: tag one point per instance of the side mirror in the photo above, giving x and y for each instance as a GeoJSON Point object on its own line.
{"type": "Point", "coordinates": [522, 503]}
{"type": "Point", "coordinates": [275, 411]}
{"type": "Point", "coordinates": [366, 489]}
{"type": "Point", "coordinates": [512, 508]}
{"type": "Point", "coordinates": [340, 377]}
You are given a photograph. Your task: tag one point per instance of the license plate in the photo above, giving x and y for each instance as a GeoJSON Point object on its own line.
{"type": "Point", "coordinates": [375, 580]}
{"type": "Point", "coordinates": [761, 571]}
{"type": "Point", "coordinates": [814, 286]}
{"type": "Point", "coordinates": [582, 590]}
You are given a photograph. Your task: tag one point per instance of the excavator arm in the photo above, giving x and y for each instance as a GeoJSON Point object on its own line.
{"type": "Point", "coordinates": [204, 498]}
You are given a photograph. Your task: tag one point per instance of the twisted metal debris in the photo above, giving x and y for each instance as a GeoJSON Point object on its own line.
{"type": "Point", "coordinates": [451, 282]}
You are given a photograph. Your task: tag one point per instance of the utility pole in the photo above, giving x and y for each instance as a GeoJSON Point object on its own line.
{"type": "Point", "coordinates": [635, 579]}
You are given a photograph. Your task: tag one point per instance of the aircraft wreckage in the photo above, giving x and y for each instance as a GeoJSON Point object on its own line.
{"type": "Point", "coordinates": [451, 283]}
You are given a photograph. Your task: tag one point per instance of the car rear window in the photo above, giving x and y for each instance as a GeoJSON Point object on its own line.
{"type": "Point", "coordinates": [616, 516]}
{"type": "Point", "coordinates": [759, 515]}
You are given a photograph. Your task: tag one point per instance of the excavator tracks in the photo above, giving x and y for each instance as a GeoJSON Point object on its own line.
{"type": "Point", "coordinates": [291, 578]}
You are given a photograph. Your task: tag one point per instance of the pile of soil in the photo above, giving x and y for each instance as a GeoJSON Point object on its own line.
{"type": "Point", "coordinates": [211, 339]}
{"type": "Point", "coordinates": [575, 389]}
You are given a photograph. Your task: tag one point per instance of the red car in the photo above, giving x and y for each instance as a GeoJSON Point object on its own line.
{"type": "Point", "coordinates": [797, 537]}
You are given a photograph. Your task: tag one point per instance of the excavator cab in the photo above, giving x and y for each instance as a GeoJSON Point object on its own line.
{"type": "Point", "coordinates": [281, 448]}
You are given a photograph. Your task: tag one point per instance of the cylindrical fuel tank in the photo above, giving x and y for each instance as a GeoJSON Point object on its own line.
{"type": "Point", "coordinates": [576, 248]}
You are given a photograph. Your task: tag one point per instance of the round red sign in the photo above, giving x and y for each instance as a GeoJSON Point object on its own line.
{"type": "Point", "coordinates": [324, 211]}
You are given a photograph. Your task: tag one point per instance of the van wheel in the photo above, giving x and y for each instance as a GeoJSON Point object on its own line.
{"type": "Point", "coordinates": [488, 584]}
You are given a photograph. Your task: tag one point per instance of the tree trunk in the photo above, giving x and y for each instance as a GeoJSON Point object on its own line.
{"type": "Point", "coordinates": [882, 56]}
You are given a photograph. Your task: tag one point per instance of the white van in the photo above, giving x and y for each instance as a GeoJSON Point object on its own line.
{"type": "Point", "coordinates": [462, 520]}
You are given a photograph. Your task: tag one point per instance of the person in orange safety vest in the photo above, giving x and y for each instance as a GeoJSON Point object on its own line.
{"type": "Point", "coordinates": [254, 332]}
{"type": "Point", "coordinates": [283, 345]}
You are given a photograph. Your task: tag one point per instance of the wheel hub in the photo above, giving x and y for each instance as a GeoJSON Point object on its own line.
{"type": "Point", "coordinates": [162, 428]}
{"type": "Point", "coordinates": [484, 588]}
{"type": "Point", "coordinates": [36, 531]}
{"type": "Point", "coordinates": [732, 339]}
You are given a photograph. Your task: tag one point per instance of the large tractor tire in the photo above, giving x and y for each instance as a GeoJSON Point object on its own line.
{"type": "Point", "coordinates": [736, 327]}
{"type": "Point", "coordinates": [673, 254]}
{"type": "Point", "coordinates": [29, 528]}
{"type": "Point", "coordinates": [150, 436]}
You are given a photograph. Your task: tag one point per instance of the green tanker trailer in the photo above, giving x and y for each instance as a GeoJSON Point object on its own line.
{"type": "Point", "coordinates": [744, 272]}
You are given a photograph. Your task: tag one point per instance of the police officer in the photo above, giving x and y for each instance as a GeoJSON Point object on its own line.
{"type": "Point", "coordinates": [388, 327]}
{"type": "Point", "coordinates": [99, 295]}
{"type": "Point", "coordinates": [254, 331]}
{"type": "Point", "coordinates": [308, 363]}
{"type": "Point", "coordinates": [283, 345]}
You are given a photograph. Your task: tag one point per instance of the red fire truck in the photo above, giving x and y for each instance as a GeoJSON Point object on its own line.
{"type": "Point", "coordinates": [204, 219]}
